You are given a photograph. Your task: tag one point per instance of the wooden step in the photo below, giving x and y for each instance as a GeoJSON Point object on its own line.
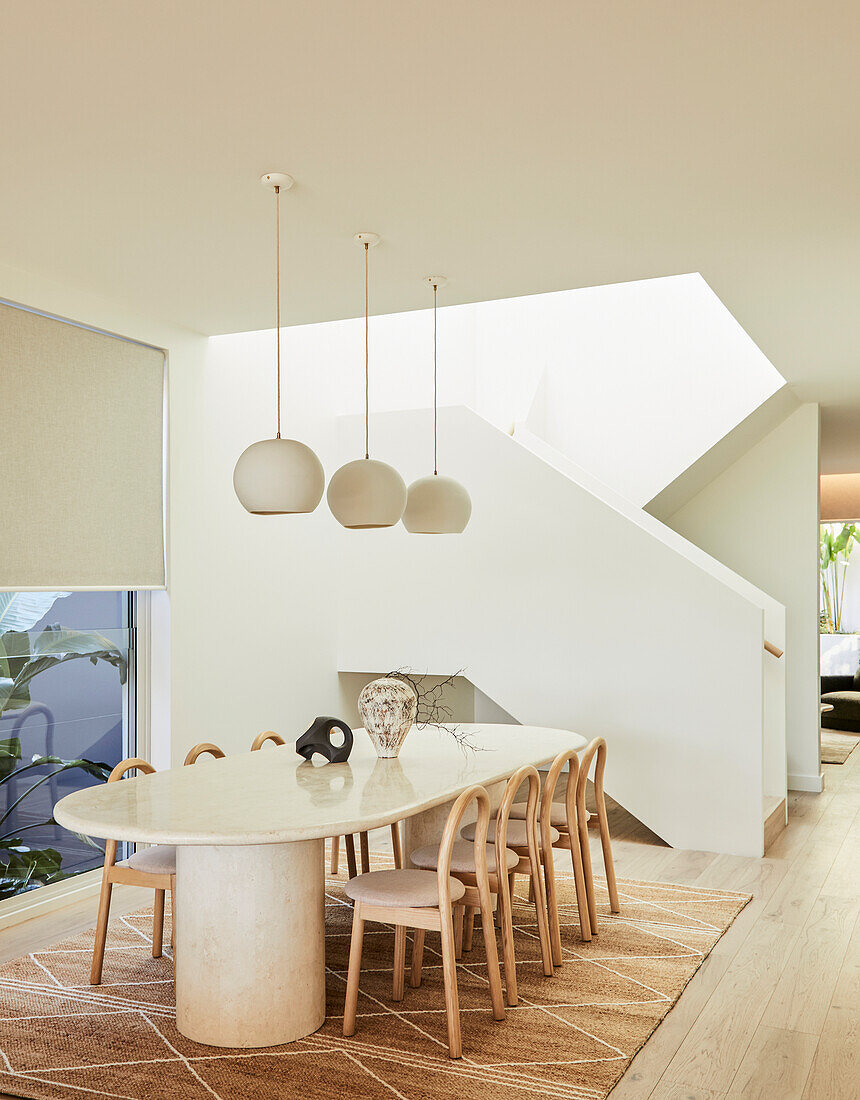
{"type": "Point", "coordinates": [774, 819]}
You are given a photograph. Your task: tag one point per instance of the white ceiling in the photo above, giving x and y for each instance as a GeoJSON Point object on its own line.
{"type": "Point", "coordinates": [515, 147]}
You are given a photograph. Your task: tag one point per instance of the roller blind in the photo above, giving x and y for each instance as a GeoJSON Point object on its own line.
{"type": "Point", "coordinates": [81, 457]}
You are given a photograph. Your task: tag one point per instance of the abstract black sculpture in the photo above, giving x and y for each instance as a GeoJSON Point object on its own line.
{"type": "Point", "coordinates": [318, 739]}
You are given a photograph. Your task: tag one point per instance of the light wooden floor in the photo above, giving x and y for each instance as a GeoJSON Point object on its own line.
{"type": "Point", "coordinates": [774, 1012]}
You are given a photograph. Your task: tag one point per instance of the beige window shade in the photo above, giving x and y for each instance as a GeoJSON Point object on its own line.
{"type": "Point", "coordinates": [81, 457]}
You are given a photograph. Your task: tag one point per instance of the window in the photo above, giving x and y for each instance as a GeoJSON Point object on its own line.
{"type": "Point", "coordinates": [66, 718]}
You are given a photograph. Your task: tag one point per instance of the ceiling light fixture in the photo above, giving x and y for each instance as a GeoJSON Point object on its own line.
{"type": "Point", "coordinates": [436, 505]}
{"type": "Point", "coordinates": [366, 493]}
{"type": "Point", "coordinates": [276, 477]}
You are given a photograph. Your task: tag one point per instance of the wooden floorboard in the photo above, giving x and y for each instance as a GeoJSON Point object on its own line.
{"type": "Point", "coordinates": [774, 1012]}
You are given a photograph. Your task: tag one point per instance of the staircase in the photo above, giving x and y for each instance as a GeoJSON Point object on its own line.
{"type": "Point", "coordinates": [568, 605]}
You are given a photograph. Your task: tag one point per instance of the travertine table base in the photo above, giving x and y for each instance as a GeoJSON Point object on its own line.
{"type": "Point", "coordinates": [250, 942]}
{"type": "Point", "coordinates": [249, 831]}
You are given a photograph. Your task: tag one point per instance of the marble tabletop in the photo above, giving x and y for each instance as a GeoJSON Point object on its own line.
{"type": "Point", "coordinates": [274, 796]}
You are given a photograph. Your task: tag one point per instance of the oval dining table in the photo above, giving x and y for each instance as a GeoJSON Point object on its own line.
{"type": "Point", "coordinates": [250, 833]}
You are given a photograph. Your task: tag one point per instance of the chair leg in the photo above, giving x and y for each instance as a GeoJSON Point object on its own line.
{"type": "Point", "coordinates": [101, 932]}
{"type": "Point", "coordinates": [608, 862]}
{"type": "Point", "coordinates": [399, 961]}
{"type": "Point", "coordinates": [417, 958]}
{"type": "Point", "coordinates": [489, 930]}
{"type": "Point", "coordinates": [355, 944]}
{"type": "Point", "coordinates": [396, 845]}
{"type": "Point", "coordinates": [173, 912]}
{"type": "Point", "coordinates": [581, 892]}
{"type": "Point", "coordinates": [365, 853]}
{"type": "Point", "coordinates": [585, 851]}
{"type": "Point", "coordinates": [459, 914]}
{"type": "Point", "coordinates": [552, 912]}
{"type": "Point", "coordinates": [508, 958]}
{"type": "Point", "coordinates": [468, 927]}
{"type": "Point", "coordinates": [158, 924]}
{"type": "Point", "coordinates": [449, 975]}
{"type": "Point", "coordinates": [334, 867]}
{"type": "Point", "coordinates": [543, 904]}
{"type": "Point", "coordinates": [349, 844]}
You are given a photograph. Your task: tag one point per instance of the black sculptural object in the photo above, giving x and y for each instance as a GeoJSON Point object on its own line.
{"type": "Point", "coordinates": [318, 739]}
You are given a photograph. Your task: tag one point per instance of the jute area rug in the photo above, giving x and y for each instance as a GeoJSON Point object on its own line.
{"type": "Point", "coordinates": [571, 1037]}
{"type": "Point", "coordinates": [836, 746]}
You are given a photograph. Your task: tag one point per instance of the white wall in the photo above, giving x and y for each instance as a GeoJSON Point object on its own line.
{"type": "Point", "coordinates": [760, 517]}
{"type": "Point", "coordinates": [641, 379]}
{"type": "Point", "coordinates": [567, 613]}
{"type": "Point", "coordinates": [245, 637]}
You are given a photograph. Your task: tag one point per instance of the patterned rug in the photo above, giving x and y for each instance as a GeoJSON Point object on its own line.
{"type": "Point", "coordinates": [571, 1037]}
{"type": "Point", "coordinates": [836, 746]}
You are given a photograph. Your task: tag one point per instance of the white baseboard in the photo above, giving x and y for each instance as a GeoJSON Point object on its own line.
{"type": "Point", "coordinates": [814, 783]}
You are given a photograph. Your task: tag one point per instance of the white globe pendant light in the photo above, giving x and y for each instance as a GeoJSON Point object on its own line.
{"type": "Point", "coordinates": [436, 505]}
{"type": "Point", "coordinates": [276, 477]}
{"type": "Point", "coordinates": [366, 493]}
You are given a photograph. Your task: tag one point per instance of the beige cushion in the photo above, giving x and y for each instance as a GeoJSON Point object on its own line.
{"type": "Point", "coordinates": [462, 858]}
{"type": "Point", "coordinates": [516, 835]}
{"type": "Point", "coordinates": [412, 889]}
{"type": "Point", "coordinates": [160, 860]}
{"type": "Point", "coordinates": [557, 815]}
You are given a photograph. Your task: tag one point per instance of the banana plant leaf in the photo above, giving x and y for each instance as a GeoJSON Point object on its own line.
{"type": "Point", "coordinates": [22, 610]}
{"type": "Point", "coordinates": [22, 867]}
{"type": "Point", "coordinates": [52, 647]}
{"type": "Point", "coordinates": [10, 754]}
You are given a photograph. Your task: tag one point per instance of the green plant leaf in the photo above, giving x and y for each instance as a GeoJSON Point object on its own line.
{"type": "Point", "coordinates": [22, 867]}
{"type": "Point", "coordinates": [10, 753]}
{"type": "Point", "coordinates": [53, 646]}
{"type": "Point", "coordinates": [22, 610]}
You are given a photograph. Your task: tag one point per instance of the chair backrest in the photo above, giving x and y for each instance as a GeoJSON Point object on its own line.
{"type": "Point", "coordinates": [129, 765]}
{"type": "Point", "coordinates": [595, 748]}
{"type": "Point", "coordinates": [266, 735]}
{"type": "Point", "coordinates": [449, 836]}
{"type": "Point", "coordinates": [571, 758]}
{"type": "Point", "coordinates": [201, 749]}
{"type": "Point", "coordinates": [132, 763]}
{"type": "Point", "coordinates": [525, 774]}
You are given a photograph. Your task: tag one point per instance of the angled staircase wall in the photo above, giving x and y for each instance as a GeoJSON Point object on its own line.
{"type": "Point", "coordinates": [569, 606]}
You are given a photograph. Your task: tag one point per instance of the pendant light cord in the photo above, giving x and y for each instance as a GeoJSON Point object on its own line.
{"type": "Point", "coordinates": [366, 357]}
{"type": "Point", "coordinates": [435, 460]}
{"type": "Point", "coordinates": [278, 298]}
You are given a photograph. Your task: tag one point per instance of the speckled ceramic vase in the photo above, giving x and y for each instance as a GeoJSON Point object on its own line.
{"type": "Point", "coordinates": [387, 707]}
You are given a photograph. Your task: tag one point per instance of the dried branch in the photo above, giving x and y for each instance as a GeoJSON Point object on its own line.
{"type": "Point", "coordinates": [432, 709]}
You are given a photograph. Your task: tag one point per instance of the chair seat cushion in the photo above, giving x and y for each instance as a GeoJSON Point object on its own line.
{"type": "Point", "coordinates": [557, 815]}
{"type": "Point", "coordinates": [410, 889]}
{"type": "Point", "coordinates": [160, 860]}
{"type": "Point", "coordinates": [462, 858]}
{"type": "Point", "coordinates": [516, 835]}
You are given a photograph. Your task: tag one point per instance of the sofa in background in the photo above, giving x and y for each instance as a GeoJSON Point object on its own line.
{"type": "Point", "coordinates": [843, 694]}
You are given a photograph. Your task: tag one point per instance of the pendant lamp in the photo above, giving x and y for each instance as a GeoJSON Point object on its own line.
{"type": "Point", "coordinates": [366, 493]}
{"type": "Point", "coordinates": [436, 505]}
{"type": "Point", "coordinates": [276, 477]}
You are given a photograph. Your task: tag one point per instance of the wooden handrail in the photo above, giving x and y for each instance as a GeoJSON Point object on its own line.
{"type": "Point", "coordinates": [772, 649]}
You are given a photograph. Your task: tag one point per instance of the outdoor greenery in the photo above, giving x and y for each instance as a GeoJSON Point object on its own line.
{"type": "Point", "coordinates": [23, 657]}
{"type": "Point", "coordinates": [835, 548]}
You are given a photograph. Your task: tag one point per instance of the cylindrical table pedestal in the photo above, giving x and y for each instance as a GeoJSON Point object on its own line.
{"type": "Point", "coordinates": [250, 943]}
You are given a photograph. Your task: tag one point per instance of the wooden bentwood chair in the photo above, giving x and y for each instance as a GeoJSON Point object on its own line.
{"type": "Point", "coordinates": [349, 839]}
{"type": "Point", "coordinates": [151, 867]}
{"type": "Point", "coordinates": [424, 900]}
{"type": "Point", "coordinates": [154, 868]}
{"type": "Point", "coordinates": [571, 818]}
{"type": "Point", "coordinates": [503, 862]}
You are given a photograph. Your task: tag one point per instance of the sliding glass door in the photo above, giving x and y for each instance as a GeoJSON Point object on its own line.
{"type": "Point", "coordinates": [67, 712]}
